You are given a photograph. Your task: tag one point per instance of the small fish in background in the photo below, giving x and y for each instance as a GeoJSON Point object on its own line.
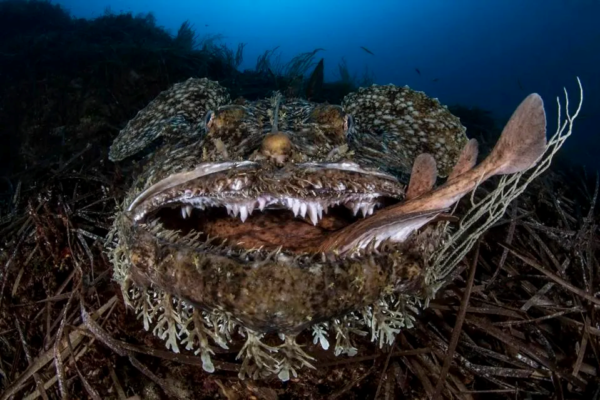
{"type": "Point", "coordinates": [418, 72]}
{"type": "Point", "coordinates": [435, 79]}
{"type": "Point", "coordinates": [519, 84]}
{"type": "Point", "coordinates": [367, 50]}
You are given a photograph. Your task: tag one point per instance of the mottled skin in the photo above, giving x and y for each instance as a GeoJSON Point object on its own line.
{"type": "Point", "coordinates": [270, 274]}
{"type": "Point", "coordinates": [396, 124]}
{"type": "Point", "coordinates": [270, 294]}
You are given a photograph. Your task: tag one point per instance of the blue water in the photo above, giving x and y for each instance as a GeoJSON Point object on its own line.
{"type": "Point", "coordinates": [486, 53]}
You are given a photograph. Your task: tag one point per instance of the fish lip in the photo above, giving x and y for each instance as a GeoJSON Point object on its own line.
{"type": "Point", "coordinates": [173, 180]}
{"type": "Point", "coordinates": [137, 210]}
{"type": "Point", "coordinates": [347, 166]}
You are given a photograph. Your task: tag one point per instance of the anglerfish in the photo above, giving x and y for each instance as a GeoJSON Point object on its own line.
{"type": "Point", "coordinates": [252, 220]}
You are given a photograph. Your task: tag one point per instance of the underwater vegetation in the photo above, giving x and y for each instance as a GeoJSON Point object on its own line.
{"type": "Point", "coordinates": [120, 146]}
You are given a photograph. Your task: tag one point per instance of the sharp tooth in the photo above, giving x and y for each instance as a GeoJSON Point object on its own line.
{"type": "Point", "coordinates": [229, 209]}
{"type": "Point", "coordinates": [261, 203]}
{"type": "Point", "coordinates": [371, 209]}
{"type": "Point", "coordinates": [320, 210]}
{"type": "Point", "coordinates": [236, 209]}
{"type": "Point", "coordinates": [250, 207]}
{"type": "Point", "coordinates": [364, 208]}
{"type": "Point", "coordinates": [303, 208]}
{"type": "Point", "coordinates": [312, 213]}
{"type": "Point", "coordinates": [355, 208]}
{"type": "Point", "coordinates": [243, 213]}
{"type": "Point", "coordinates": [183, 213]}
{"type": "Point", "coordinates": [296, 207]}
{"type": "Point", "coordinates": [188, 210]}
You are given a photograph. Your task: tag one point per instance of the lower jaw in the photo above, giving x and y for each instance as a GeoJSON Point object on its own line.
{"type": "Point", "coordinates": [275, 293]}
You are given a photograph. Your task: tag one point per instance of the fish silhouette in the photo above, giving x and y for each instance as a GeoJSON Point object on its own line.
{"type": "Point", "coordinates": [367, 50]}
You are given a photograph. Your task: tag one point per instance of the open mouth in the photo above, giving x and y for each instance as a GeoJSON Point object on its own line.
{"type": "Point", "coordinates": [246, 206]}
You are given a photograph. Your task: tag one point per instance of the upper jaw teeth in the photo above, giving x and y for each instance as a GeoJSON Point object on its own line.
{"type": "Point", "coordinates": [313, 209]}
{"type": "Point", "coordinates": [186, 211]}
{"type": "Point", "coordinates": [365, 207]}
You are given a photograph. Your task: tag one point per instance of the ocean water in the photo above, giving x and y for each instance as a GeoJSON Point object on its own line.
{"type": "Point", "coordinates": [488, 54]}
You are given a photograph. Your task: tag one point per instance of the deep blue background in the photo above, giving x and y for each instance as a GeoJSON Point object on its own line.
{"type": "Point", "coordinates": [486, 53]}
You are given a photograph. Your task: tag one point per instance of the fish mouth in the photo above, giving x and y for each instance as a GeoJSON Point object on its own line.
{"type": "Point", "coordinates": [253, 206]}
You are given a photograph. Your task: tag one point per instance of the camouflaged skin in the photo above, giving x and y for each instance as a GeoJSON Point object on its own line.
{"type": "Point", "coordinates": [391, 126]}
{"type": "Point", "coordinates": [266, 294]}
{"type": "Point", "coordinates": [175, 113]}
{"type": "Point", "coordinates": [396, 124]}
{"type": "Point", "coordinates": [382, 127]}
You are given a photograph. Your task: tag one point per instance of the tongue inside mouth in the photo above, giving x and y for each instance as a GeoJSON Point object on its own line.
{"type": "Point", "coordinates": [295, 225]}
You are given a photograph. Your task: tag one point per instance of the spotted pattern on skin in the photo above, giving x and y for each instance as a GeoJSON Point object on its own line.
{"type": "Point", "coordinates": [176, 112]}
{"type": "Point", "coordinates": [396, 124]}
